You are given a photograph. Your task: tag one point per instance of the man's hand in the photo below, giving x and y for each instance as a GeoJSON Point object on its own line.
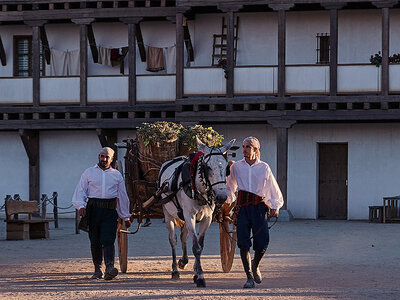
{"type": "Point", "coordinates": [127, 223]}
{"type": "Point", "coordinates": [82, 212]}
{"type": "Point", "coordinates": [273, 213]}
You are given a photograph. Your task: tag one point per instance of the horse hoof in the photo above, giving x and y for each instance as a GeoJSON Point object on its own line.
{"type": "Point", "coordinates": [195, 278]}
{"type": "Point", "coordinates": [201, 282]}
{"type": "Point", "coordinates": [182, 264]}
{"type": "Point", "coordinates": [175, 275]}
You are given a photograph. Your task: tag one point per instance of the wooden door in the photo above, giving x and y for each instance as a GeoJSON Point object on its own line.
{"type": "Point", "coordinates": [332, 186]}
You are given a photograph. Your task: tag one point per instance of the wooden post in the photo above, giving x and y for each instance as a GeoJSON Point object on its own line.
{"type": "Point", "coordinates": [30, 139]}
{"type": "Point", "coordinates": [333, 55]}
{"type": "Point", "coordinates": [133, 23]}
{"type": "Point", "coordinates": [281, 9]}
{"type": "Point", "coordinates": [385, 5]}
{"type": "Point", "coordinates": [179, 56]}
{"type": "Point", "coordinates": [43, 200]}
{"type": "Point", "coordinates": [55, 209]}
{"type": "Point", "coordinates": [230, 53]}
{"type": "Point", "coordinates": [83, 53]}
{"type": "Point", "coordinates": [385, 52]}
{"type": "Point", "coordinates": [35, 60]}
{"type": "Point", "coordinates": [282, 127]}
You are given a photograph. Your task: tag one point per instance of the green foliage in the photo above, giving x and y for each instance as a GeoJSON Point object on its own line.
{"type": "Point", "coordinates": [170, 131]}
{"type": "Point", "coordinates": [208, 136]}
{"type": "Point", "coordinates": [159, 132]}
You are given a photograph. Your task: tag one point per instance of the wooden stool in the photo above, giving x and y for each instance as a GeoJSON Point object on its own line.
{"type": "Point", "coordinates": [376, 214]}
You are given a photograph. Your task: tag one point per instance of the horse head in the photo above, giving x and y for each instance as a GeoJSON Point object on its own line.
{"type": "Point", "coordinates": [212, 176]}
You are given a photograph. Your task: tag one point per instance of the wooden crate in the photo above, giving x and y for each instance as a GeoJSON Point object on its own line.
{"type": "Point", "coordinates": [391, 209]}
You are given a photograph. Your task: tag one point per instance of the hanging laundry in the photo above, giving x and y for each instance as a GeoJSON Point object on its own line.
{"type": "Point", "coordinates": [118, 56]}
{"type": "Point", "coordinates": [104, 56]}
{"type": "Point", "coordinates": [155, 59]}
{"type": "Point", "coordinates": [58, 63]}
{"type": "Point", "coordinates": [73, 62]}
{"type": "Point", "coordinates": [170, 59]}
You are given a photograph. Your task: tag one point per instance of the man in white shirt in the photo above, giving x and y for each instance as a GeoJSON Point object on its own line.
{"type": "Point", "coordinates": [253, 185]}
{"type": "Point", "coordinates": [104, 189]}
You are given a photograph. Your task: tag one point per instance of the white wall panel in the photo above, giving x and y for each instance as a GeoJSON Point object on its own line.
{"type": "Point", "coordinates": [363, 79]}
{"type": "Point", "coordinates": [16, 91]}
{"type": "Point", "coordinates": [14, 172]}
{"type": "Point", "coordinates": [201, 81]}
{"type": "Point", "coordinates": [107, 89]}
{"type": "Point", "coordinates": [64, 155]}
{"type": "Point", "coordinates": [307, 79]}
{"type": "Point", "coordinates": [261, 80]}
{"type": "Point", "coordinates": [156, 88]}
{"type": "Point", "coordinates": [56, 90]}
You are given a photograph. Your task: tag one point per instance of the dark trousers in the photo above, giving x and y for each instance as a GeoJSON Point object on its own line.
{"type": "Point", "coordinates": [252, 219]}
{"type": "Point", "coordinates": [102, 226]}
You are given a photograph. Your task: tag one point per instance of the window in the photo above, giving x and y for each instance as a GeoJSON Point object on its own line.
{"type": "Point", "coordinates": [323, 43]}
{"type": "Point", "coordinates": [23, 56]}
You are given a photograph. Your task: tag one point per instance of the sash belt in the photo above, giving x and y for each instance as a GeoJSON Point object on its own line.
{"type": "Point", "coordinates": [102, 203]}
{"type": "Point", "coordinates": [246, 198]}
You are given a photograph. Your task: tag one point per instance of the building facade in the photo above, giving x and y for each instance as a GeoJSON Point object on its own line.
{"type": "Point", "coordinates": [77, 75]}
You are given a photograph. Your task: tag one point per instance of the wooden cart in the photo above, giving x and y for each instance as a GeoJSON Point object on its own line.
{"type": "Point", "coordinates": [140, 190]}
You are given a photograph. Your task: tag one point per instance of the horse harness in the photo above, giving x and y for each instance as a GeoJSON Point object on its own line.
{"type": "Point", "coordinates": [196, 162]}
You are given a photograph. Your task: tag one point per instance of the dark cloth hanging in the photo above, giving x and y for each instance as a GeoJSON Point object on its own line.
{"type": "Point", "coordinates": [118, 56]}
{"type": "Point", "coordinates": [155, 59]}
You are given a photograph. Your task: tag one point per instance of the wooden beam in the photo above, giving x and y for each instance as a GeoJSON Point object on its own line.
{"type": "Point", "coordinates": [132, 64]}
{"type": "Point", "coordinates": [36, 65]}
{"type": "Point", "coordinates": [108, 138]}
{"type": "Point", "coordinates": [45, 44]}
{"type": "Point", "coordinates": [2, 54]}
{"type": "Point", "coordinates": [140, 43]}
{"type": "Point", "coordinates": [385, 51]}
{"type": "Point", "coordinates": [179, 56]}
{"type": "Point", "coordinates": [333, 61]}
{"type": "Point", "coordinates": [188, 42]}
{"type": "Point", "coordinates": [92, 44]}
{"type": "Point", "coordinates": [30, 140]}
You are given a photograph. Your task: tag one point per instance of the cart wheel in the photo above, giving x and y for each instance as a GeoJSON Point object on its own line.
{"type": "Point", "coordinates": [227, 232]}
{"type": "Point", "coordinates": [122, 246]}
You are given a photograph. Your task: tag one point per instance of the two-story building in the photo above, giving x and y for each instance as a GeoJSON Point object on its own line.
{"type": "Point", "coordinates": [297, 74]}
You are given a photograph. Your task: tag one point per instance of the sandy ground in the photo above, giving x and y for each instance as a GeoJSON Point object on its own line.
{"type": "Point", "coordinates": [305, 260]}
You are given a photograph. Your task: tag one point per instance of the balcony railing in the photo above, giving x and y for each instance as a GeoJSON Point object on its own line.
{"type": "Point", "coordinates": [201, 81]}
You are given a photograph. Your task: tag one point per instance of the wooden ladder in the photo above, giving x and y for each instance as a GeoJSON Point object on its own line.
{"type": "Point", "coordinates": [219, 43]}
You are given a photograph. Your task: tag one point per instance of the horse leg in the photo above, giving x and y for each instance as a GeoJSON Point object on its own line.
{"type": "Point", "coordinates": [169, 223]}
{"type": "Point", "coordinates": [184, 260]}
{"type": "Point", "coordinates": [198, 277]}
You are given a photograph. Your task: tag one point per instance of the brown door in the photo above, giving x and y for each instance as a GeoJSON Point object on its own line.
{"type": "Point", "coordinates": [332, 187]}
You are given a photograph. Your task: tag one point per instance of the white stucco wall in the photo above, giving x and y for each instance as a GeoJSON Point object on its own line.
{"type": "Point", "coordinates": [373, 165]}
{"type": "Point", "coordinates": [14, 172]}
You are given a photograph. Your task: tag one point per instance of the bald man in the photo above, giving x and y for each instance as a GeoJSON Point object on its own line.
{"type": "Point", "coordinates": [101, 196]}
{"type": "Point", "coordinates": [253, 186]}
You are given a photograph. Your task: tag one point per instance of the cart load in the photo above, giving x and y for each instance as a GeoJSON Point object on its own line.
{"type": "Point", "coordinates": [155, 144]}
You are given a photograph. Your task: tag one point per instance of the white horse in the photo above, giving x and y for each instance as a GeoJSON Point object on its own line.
{"type": "Point", "coordinates": [209, 190]}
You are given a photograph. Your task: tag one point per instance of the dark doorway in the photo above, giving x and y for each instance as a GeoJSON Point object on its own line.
{"type": "Point", "coordinates": [332, 185]}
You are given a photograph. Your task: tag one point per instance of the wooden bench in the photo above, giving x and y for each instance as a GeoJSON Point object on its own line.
{"type": "Point", "coordinates": [391, 209]}
{"type": "Point", "coordinates": [27, 228]}
{"type": "Point", "coordinates": [376, 214]}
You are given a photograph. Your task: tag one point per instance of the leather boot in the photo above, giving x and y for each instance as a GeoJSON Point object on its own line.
{"type": "Point", "coordinates": [97, 257]}
{"type": "Point", "coordinates": [254, 266]}
{"type": "Point", "coordinates": [245, 256]}
{"type": "Point", "coordinates": [109, 254]}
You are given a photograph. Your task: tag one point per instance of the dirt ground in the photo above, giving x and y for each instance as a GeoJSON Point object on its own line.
{"type": "Point", "coordinates": [305, 260]}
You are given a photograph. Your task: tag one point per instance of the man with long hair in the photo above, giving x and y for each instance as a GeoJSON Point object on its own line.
{"type": "Point", "coordinates": [256, 191]}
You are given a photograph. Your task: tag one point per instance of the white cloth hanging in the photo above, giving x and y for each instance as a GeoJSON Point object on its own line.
{"type": "Point", "coordinates": [170, 57]}
{"type": "Point", "coordinates": [104, 56]}
{"type": "Point", "coordinates": [73, 62]}
{"type": "Point", "coordinates": [58, 63]}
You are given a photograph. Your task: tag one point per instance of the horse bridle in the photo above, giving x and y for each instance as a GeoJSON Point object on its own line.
{"type": "Point", "coordinates": [204, 172]}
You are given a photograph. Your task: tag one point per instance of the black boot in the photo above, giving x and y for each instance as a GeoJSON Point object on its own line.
{"type": "Point", "coordinates": [97, 257]}
{"type": "Point", "coordinates": [254, 266]}
{"type": "Point", "coordinates": [245, 256]}
{"type": "Point", "coordinates": [109, 253]}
